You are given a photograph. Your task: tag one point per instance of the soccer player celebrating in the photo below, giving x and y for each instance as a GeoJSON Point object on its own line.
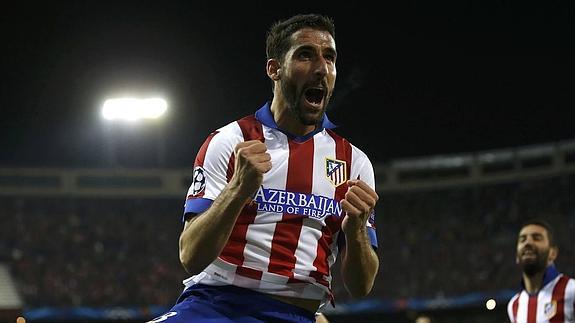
{"type": "Point", "coordinates": [547, 295]}
{"type": "Point", "coordinates": [277, 196]}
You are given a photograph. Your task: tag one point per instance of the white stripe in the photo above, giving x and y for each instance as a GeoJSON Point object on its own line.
{"type": "Point", "coordinates": [569, 301]}
{"type": "Point", "coordinates": [259, 235]}
{"type": "Point", "coordinates": [362, 168]}
{"type": "Point", "coordinates": [544, 297]}
{"type": "Point", "coordinates": [217, 158]}
{"type": "Point", "coordinates": [306, 251]}
{"type": "Point", "coordinates": [522, 308]}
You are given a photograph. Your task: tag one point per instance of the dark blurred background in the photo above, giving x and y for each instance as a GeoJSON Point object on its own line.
{"type": "Point", "coordinates": [414, 78]}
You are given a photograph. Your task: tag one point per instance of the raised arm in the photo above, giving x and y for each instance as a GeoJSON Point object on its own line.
{"type": "Point", "coordinates": [360, 262]}
{"type": "Point", "coordinates": [205, 235]}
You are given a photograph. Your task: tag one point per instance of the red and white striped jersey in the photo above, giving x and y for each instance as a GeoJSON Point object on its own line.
{"type": "Point", "coordinates": [554, 303]}
{"type": "Point", "coordinates": [286, 241]}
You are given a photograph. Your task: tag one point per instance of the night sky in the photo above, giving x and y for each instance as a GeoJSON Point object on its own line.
{"type": "Point", "coordinates": [415, 78]}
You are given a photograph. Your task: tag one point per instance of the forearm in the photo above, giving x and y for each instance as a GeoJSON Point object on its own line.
{"type": "Point", "coordinates": [359, 264]}
{"type": "Point", "coordinates": [206, 234]}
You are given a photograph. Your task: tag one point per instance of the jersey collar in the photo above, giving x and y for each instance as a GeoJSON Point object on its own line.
{"type": "Point", "coordinates": [550, 274]}
{"type": "Point", "coordinates": [264, 115]}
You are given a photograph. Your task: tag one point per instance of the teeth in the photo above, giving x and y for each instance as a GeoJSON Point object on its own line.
{"type": "Point", "coordinates": [314, 95]}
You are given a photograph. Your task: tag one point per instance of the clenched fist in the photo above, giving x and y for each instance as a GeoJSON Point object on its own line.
{"type": "Point", "coordinates": [358, 204]}
{"type": "Point", "coordinates": [251, 163]}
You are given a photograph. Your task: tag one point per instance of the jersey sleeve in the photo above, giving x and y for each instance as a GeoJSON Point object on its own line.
{"type": "Point", "coordinates": [363, 170]}
{"type": "Point", "coordinates": [213, 167]}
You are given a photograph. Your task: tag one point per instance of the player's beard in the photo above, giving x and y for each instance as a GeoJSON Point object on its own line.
{"type": "Point", "coordinates": [535, 265]}
{"type": "Point", "coordinates": [293, 97]}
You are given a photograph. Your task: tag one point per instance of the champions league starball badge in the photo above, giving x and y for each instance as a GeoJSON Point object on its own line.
{"type": "Point", "coordinates": [198, 181]}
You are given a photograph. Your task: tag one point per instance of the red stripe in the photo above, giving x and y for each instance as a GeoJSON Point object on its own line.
{"type": "Point", "coordinates": [342, 152]}
{"type": "Point", "coordinates": [249, 272]}
{"type": "Point", "coordinates": [292, 280]}
{"type": "Point", "coordinates": [532, 309]}
{"type": "Point", "coordinates": [233, 252]}
{"type": "Point", "coordinates": [515, 307]}
{"type": "Point", "coordinates": [251, 128]}
{"type": "Point", "coordinates": [333, 223]}
{"type": "Point", "coordinates": [201, 157]}
{"type": "Point", "coordinates": [286, 234]}
{"type": "Point", "coordinates": [558, 297]}
{"type": "Point", "coordinates": [231, 168]}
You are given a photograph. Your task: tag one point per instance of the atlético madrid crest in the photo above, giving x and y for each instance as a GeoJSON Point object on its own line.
{"type": "Point", "coordinates": [335, 171]}
{"type": "Point", "coordinates": [550, 309]}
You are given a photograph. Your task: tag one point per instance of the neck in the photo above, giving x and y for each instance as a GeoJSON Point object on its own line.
{"type": "Point", "coordinates": [533, 283]}
{"type": "Point", "coordinates": [287, 121]}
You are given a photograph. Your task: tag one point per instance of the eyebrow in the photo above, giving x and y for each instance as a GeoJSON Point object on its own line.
{"type": "Point", "coordinates": [331, 50]}
{"type": "Point", "coordinates": [535, 234]}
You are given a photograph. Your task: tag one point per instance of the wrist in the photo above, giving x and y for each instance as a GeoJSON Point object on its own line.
{"type": "Point", "coordinates": [237, 191]}
{"type": "Point", "coordinates": [355, 232]}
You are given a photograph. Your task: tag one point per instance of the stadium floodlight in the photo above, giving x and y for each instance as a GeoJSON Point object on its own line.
{"type": "Point", "coordinates": [133, 109]}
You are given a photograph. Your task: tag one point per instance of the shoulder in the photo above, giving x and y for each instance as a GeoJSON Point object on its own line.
{"type": "Point", "coordinates": [360, 154]}
{"type": "Point", "coordinates": [230, 129]}
{"type": "Point", "coordinates": [513, 299]}
{"type": "Point", "coordinates": [221, 141]}
{"type": "Point", "coordinates": [511, 303]}
{"type": "Point", "coordinates": [246, 128]}
{"type": "Point", "coordinates": [357, 153]}
{"type": "Point", "coordinates": [570, 287]}
{"type": "Point", "coordinates": [230, 132]}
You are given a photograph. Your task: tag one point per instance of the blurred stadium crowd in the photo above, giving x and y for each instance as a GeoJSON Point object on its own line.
{"type": "Point", "coordinates": [124, 252]}
{"type": "Point", "coordinates": [456, 241]}
{"type": "Point", "coordinates": [92, 252]}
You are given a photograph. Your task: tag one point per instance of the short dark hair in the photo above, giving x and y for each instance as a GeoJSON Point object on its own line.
{"type": "Point", "coordinates": [278, 36]}
{"type": "Point", "coordinates": [544, 224]}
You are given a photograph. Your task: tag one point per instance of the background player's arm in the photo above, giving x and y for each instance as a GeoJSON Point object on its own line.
{"type": "Point", "coordinates": [205, 235]}
{"type": "Point", "coordinates": [359, 261]}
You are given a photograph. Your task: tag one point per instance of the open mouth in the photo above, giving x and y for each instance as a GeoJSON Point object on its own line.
{"type": "Point", "coordinates": [314, 95]}
{"type": "Point", "coordinates": [528, 253]}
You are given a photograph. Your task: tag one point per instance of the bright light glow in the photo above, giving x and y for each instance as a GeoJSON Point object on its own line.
{"type": "Point", "coordinates": [423, 319]}
{"type": "Point", "coordinates": [490, 304]}
{"type": "Point", "coordinates": [133, 109]}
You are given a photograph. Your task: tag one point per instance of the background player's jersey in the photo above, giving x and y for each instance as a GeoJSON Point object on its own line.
{"type": "Point", "coordinates": [286, 240]}
{"type": "Point", "coordinates": [554, 303]}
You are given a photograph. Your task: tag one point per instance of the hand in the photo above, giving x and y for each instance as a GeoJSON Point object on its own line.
{"type": "Point", "coordinates": [320, 318]}
{"type": "Point", "coordinates": [251, 163]}
{"type": "Point", "coordinates": [358, 204]}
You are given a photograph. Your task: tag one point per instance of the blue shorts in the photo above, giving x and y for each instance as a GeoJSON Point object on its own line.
{"type": "Point", "coordinates": [203, 303]}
